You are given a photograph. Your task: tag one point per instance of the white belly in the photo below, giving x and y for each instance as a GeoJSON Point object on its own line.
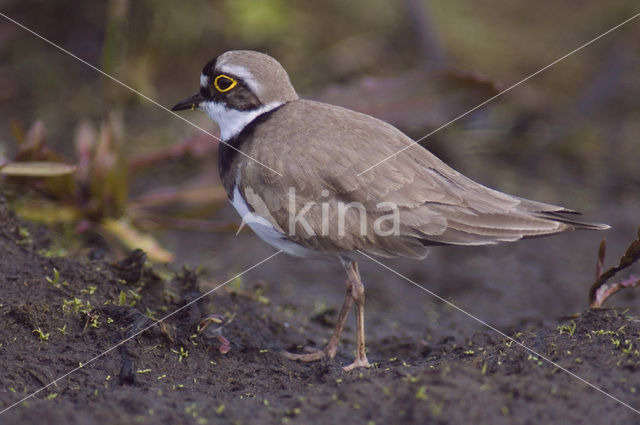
{"type": "Point", "coordinates": [265, 230]}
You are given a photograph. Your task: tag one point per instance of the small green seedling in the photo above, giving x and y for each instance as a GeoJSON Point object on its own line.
{"type": "Point", "coordinates": [76, 305]}
{"type": "Point", "coordinates": [568, 328]}
{"type": "Point", "coordinates": [421, 394]}
{"type": "Point", "coordinates": [122, 299]}
{"type": "Point", "coordinates": [89, 290]}
{"type": "Point", "coordinates": [43, 336]}
{"type": "Point", "coordinates": [182, 354]}
{"type": "Point", "coordinates": [93, 320]}
{"type": "Point", "coordinates": [54, 280]}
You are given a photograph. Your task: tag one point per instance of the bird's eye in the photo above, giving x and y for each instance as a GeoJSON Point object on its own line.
{"type": "Point", "coordinates": [222, 83]}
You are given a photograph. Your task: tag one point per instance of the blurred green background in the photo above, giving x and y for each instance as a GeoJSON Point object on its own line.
{"type": "Point", "coordinates": [581, 114]}
{"type": "Point", "coordinates": [568, 136]}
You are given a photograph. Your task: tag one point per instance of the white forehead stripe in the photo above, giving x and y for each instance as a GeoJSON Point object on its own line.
{"type": "Point", "coordinates": [204, 80]}
{"type": "Point", "coordinates": [242, 72]}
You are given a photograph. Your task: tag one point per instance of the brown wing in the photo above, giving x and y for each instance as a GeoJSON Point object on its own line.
{"type": "Point", "coordinates": [435, 204]}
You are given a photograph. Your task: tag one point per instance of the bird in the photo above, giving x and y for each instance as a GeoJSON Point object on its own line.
{"type": "Point", "coordinates": [316, 180]}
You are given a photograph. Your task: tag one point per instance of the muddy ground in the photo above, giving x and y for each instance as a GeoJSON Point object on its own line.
{"type": "Point", "coordinates": [58, 313]}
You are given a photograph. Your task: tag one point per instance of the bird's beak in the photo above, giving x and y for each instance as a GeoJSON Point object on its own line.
{"type": "Point", "coordinates": [192, 102]}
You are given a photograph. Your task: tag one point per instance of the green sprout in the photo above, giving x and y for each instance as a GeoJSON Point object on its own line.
{"type": "Point", "coordinates": [43, 336]}
{"type": "Point", "coordinates": [122, 299]}
{"type": "Point", "coordinates": [421, 394]}
{"type": "Point", "coordinates": [54, 280]}
{"type": "Point", "coordinates": [76, 305]}
{"type": "Point", "coordinates": [567, 329]}
{"type": "Point", "coordinates": [89, 290]}
{"type": "Point", "coordinates": [136, 296]}
{"type": "Point", "coordinates": [25, 236]}
{"type": "Point", "coordinates": [94, 323]}
{"type": "Point", "coordinates": [182, 354]}
{"type": "Point", "coordinates": [236, 284]}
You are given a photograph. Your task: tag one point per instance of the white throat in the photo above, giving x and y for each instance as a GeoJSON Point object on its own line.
{"type": "Point", "coordinates": [231, 121]}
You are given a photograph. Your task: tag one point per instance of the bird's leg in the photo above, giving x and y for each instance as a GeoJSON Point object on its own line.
{"type": "Point", "coordinates": [358, 296]}
{"type": "Point", "coordinates": [332, 345]}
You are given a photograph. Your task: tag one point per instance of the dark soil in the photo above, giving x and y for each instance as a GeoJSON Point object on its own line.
{"type": "Point", "coordinates": [56, 313]}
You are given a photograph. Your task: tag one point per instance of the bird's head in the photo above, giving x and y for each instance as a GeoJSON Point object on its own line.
{"type": "Point", "coordinates": [236, 87]}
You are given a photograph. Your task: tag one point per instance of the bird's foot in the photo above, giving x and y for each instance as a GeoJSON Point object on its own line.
{"type": "Point", "coordinates": [313, 356]}
{"type": "Point", "coordinates": [356, 364]}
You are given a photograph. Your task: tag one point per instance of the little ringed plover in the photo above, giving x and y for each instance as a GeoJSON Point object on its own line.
{"type": "Point", "coordinates": [319, 205]}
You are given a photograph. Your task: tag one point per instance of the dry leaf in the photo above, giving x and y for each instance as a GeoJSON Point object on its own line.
{"type": "Point", "coordinates": [132, 238]}
{"type": "Point", "coordinates": [37, 169]}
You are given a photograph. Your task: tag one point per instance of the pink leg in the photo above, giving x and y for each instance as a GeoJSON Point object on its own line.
{"type": "Point", "coordinates": [332, 346]}
{"type": "Point", "coordinates": [358, 297]}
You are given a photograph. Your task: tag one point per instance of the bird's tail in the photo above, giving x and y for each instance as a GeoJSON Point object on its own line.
{"type": "Point", "coordinates": [568, 217]}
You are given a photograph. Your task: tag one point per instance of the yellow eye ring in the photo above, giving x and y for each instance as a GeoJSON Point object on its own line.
{"type": "Point", "coordinates": [225, 80]}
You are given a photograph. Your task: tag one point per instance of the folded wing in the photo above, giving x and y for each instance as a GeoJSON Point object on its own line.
{"type": "Point", "coordinates": [435, 204]}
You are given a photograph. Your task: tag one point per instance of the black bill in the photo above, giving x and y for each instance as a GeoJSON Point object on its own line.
{"type": "Point", "coordinates": [192, 102]}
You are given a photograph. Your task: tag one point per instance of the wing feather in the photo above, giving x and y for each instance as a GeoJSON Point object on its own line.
{"type": "Point", "coordinates": [437, 205]}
